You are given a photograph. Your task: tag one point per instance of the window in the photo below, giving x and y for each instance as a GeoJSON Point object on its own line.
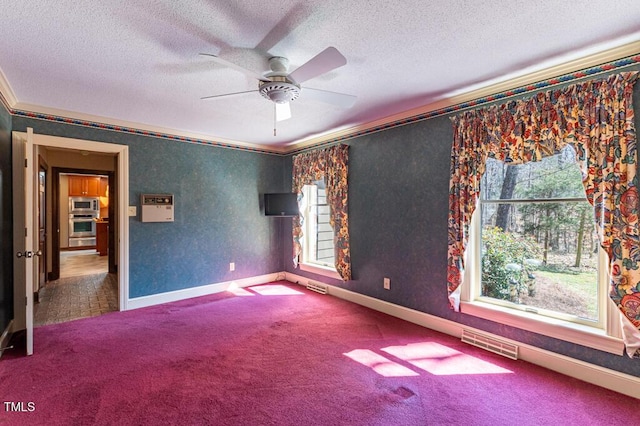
{"type": "Point", "coordinates": [533, 251]}
{"type": "Point", "coordinates": [318, 237]}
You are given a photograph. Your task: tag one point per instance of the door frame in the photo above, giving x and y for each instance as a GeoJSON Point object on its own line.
{"type": "Point", "coordinates": [55, 215]}
{"type": "Point", "coordinates": [121, 245]}
{"type": "Point", "coordinates": [42, 215]}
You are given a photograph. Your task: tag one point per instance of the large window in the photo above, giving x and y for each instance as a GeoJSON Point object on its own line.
{"type": "Point", "coordinates": [314, 170]}
{"type": "Point", "coordinates": [539, 249]}
{"type": "Point", "coordinates": [533, 249]}
{"type": "Point", "coordinates": [318, 236]}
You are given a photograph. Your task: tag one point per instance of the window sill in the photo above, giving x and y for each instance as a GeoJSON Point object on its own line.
{"type": "Point", "coordinates": [575, 333]}
{"type": "Point", "coordinates": [320, 270]}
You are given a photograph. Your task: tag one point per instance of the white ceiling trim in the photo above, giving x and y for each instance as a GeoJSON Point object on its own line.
{"type": "Point", "coordinates": [147, 129]}
{"type": "Point", "coordinates": [6, 92]}
{"type": "Point", "coordinates": [594, 60]}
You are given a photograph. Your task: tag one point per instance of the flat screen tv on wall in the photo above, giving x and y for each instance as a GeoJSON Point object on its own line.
{"type": "Point", "coordinates": [281, 204]}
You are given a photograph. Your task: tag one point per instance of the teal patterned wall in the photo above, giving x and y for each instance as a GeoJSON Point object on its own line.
{"type": "Point", "coordinates": [218, 215]}
{"type": "Point", "coordinates": [398, 207]}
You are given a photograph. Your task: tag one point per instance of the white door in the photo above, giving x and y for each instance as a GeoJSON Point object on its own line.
{"type": "Point", "coordinates": [23, 234]}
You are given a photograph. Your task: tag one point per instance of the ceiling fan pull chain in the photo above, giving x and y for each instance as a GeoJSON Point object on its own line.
{"type": "Point", "coordinates": [275, 119]}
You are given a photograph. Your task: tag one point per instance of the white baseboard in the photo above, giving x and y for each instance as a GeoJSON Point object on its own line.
{"type": "Point", "coordinates": [610, 379]}
{"type": "Point", "coordinates": [6, 335]}
{"type": "Point", "coordinates": [187, 293]}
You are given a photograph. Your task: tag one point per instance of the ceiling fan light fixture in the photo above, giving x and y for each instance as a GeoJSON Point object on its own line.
{"type": "Point", "coordinates": [279, 96]}
{"type": "Point", "coordinates": [281, 87]}
{"type": "Point", "coordinates": [279, 90]}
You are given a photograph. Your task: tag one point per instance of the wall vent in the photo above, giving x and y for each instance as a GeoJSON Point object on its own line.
{"type": "Point", "coordinates": [317, 287]}
{"type": "Point", "coordinates": [490, 343]}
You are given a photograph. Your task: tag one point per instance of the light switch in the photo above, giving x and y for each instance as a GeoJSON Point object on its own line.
{"type": "Point", "coordinates": [132, 211]}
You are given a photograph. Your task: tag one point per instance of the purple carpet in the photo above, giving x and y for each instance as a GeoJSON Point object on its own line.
{"type": "Point", "coordinates": [278, 354]}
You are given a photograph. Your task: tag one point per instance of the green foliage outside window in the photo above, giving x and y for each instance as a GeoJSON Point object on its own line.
{"type": "Point", "coordinates": [506, 264]}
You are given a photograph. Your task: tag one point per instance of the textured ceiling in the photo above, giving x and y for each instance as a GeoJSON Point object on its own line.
{"type": "Point", "coordinates": [137, 62]}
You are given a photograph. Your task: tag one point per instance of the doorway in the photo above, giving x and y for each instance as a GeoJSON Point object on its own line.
{"type": "Point", "coordinates": [25, 223]}
{"type": "Point", "coordinates": [83, 272]}
{"type": "Point", "coordinates": [103, 204]}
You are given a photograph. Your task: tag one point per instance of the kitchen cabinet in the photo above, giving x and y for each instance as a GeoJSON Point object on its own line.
{"type": "Point", "coordinates": [104, 187]}
{"type": "Point", "coordinates": [84, 186]}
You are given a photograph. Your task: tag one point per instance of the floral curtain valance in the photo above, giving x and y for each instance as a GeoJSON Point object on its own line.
{"type": "Point", "coordinates": [330, 164]}
{"type": "Point", "coordinates": [597, 119]}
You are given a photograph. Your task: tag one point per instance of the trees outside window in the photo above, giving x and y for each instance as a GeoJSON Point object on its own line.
{"type": "Point", "coordinates": [539, 248]}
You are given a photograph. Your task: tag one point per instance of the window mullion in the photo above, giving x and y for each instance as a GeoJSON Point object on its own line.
{"type": "Point", "coordinates": [533, 200]}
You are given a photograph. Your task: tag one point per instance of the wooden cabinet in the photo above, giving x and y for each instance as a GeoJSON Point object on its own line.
{"type": "Point", "coordinates": [76, 185]}
{"type": "Point", "coordinates": [104, 187]}
{"type": "Point", "coordinates": [84, 186]}
{"type": "Point", "coordinates": [102, 237]}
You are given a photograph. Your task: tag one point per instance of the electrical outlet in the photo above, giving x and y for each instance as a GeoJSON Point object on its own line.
{"type": "Point", "coordinates": [387, 283]}
{"type": "Point", "coordinates": [232, 266]}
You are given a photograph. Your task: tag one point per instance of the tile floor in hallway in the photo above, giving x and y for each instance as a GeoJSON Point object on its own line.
{"type": "Point", "coordinates": [82, 262]}
{"type": "Point", "coordinates": [84, 289]}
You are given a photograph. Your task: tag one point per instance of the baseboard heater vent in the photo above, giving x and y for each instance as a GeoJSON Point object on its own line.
{"type": "Point", "coordinates": [491, 344]}
{"type": "Point", "coordinates": [317, 287]}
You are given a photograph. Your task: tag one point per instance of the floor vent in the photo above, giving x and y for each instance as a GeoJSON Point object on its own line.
{"type": "Point", "coordinates": [317, 287]}
{"type": "Point", "coordinates": [491, 344]}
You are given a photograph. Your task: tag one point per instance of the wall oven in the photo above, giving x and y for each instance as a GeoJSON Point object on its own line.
{"type": "Point", "coordinates": [84, 205]}
{"type": "Point", "coordinates": [82, 230]}
{"type": "Point", "coordinates": [82, 225]}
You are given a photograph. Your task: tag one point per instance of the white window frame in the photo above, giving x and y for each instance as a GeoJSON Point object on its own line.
{"type": "Point", "coordinates": [601, 277]}
{"type": "Point", "coordinates": [310, 193]}
{"type": "Point", "coordinates": [605, 335]}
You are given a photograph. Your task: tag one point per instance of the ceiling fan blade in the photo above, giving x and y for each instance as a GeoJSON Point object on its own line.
{"type": "Point", "coordinates": [283, 111]}
{"type": "Point", "coordinates": [227, 95]}
{"type": "Point", "coordinates": [339, 99]}
{"type": "Point", "coordinates": [235, 67]}
{"type": "Point", "coordinates": [325, 61]}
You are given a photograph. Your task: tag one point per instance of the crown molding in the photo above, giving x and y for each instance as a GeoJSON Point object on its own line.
{"type": "Point", "coordinates": [605, 61]}
{"type": "Point", "coordinates": [88, 120]}
{"type": "Point", "coordinates": [472, 96]}
{"type": "Point", "coordinates": [7, 97]}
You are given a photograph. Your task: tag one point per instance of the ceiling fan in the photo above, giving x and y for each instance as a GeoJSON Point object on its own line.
{"type": "Point", "coordinates": [282, 87]}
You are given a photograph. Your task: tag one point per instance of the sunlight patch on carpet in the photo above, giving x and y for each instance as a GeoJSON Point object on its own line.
{"type": "Point", "coordinates": [381, 365]}
{"type": "Point", "coordinates": [441, 360]}
{"type": "Point", "coordinates": [275, 290]}
{"type": "Point", "coordinates": [238, 291]}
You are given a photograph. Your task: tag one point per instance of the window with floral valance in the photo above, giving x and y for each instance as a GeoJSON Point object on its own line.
{"type": "Point", "coordinates": [331, 165]}
{"type": "Point", "coordinates": [595, 117]}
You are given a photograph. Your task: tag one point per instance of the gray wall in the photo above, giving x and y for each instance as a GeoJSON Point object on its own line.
{"type": "Point", "coordinates": [6, 221]}
{"type": "Point", "coordinates": [218, 216]}
{"type": "Point", "coordinates": [398, 206]}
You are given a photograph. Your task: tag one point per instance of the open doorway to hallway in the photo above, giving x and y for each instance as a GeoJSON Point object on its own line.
{"type": "Point", "coordinates": [27, 146]}
{"type": "Point", "coordinates": [81, 275]}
